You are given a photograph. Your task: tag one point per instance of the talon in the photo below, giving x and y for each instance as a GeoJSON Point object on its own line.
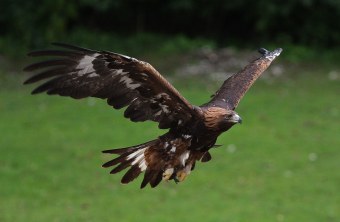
{"type": "Point", "coordinates": [168, 173]}
{"type": "Point", "coordinates": [181, 175]}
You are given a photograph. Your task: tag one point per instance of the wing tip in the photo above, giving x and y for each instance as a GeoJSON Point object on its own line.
{"type": "Point", "coordinates": [29, 81]}
{"type": "Point", "coordinates": [107, 151]}
{"type": "Point", "coordinates": [31, 54]}
{"type": "Point", "coordinates": [36, 91]}
{"type": "Point", "coordinates": [27, 68]}
{"type": "Point", "coordinates": [72, 47]}
{"type": "Point", "coordinates": [271, 55]}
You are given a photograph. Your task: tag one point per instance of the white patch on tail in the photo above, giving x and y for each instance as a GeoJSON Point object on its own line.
{"type": "Point", "coordinates": [184, 157]}
{"type": "Point", "coordinates": [142, 165]}
{"type": "Point", "coordinates": [136, 153]}
{"type": "Point", "coordinates": [138, 158]}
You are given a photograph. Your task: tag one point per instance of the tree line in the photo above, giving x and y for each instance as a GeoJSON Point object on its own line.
{"type": "Point", "coordinates": [305, 22]}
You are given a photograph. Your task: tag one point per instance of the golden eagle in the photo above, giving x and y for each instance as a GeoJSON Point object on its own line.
{"type": "Point", "coordinates": [127, 82]}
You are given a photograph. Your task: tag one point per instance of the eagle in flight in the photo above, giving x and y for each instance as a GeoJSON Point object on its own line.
{"type": "Point", "coordinates": [127, 82]}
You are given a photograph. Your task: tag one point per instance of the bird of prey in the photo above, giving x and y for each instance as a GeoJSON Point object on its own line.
{"type": "Point", "coordinates": [127, 82]}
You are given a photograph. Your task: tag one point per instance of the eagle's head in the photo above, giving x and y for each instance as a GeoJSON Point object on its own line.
{"type": "Point", "coordinates": [219, 119]}
{"type": "Point", "coordinates": [232, 117]}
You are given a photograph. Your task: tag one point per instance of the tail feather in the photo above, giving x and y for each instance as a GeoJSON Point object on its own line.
{"type": "Point", "coordinates": [160, 160]}
{"type": "Point", "coordinates": [134, 158]}
{"type": "Point", "coordinates": [121, 150]}
{"type": "Point", "coordinates": [116, 161]}
{"type": "Point", "coordinates": [206, 157]}
{"type": "Point", "coordinates": [131, 174]}
{"type": "Point", "coordinates": [129, 149]}
{"type": "Point", "coordinates": [156, 179]}
{"type": "Point", "coordinates": [147, 177]}
{"type": "Point", "coordinates": [121, 166]}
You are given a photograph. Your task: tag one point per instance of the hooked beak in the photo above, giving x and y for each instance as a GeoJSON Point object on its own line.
{"type": "Point", "coordinates": [237, 119]}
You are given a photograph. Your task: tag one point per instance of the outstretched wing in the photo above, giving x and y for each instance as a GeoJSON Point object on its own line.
{"type": "Point", "coordinates": [234, 88]}
{"type": "Point", "coordinates": [122, 80]}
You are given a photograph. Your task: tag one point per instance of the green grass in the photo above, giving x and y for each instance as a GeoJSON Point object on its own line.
{"type": "Point", "coordinates": [281, 164]}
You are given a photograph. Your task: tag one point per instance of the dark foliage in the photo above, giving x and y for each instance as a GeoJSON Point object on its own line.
{"type": "Point", "coordinates": [305, 22]}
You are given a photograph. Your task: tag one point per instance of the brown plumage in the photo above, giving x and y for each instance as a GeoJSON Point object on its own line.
{"type": "Point", "coordinates": [127, 82]}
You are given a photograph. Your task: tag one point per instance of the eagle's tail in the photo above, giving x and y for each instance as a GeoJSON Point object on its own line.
{"type": "Point", "coordinates": [134, 158]}
{"type": "Point", "coordinates": [160, 159]}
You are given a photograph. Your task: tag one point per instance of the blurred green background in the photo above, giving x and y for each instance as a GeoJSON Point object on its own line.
{"type": "Point", "coordinates": [282, 164]}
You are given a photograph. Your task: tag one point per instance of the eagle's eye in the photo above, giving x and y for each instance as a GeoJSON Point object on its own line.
{"type": "Point", "coordinates": [229, 116]}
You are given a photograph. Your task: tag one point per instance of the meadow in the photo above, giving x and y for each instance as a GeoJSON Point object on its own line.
{"type": "Point", "coordinates": [281, 164]}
